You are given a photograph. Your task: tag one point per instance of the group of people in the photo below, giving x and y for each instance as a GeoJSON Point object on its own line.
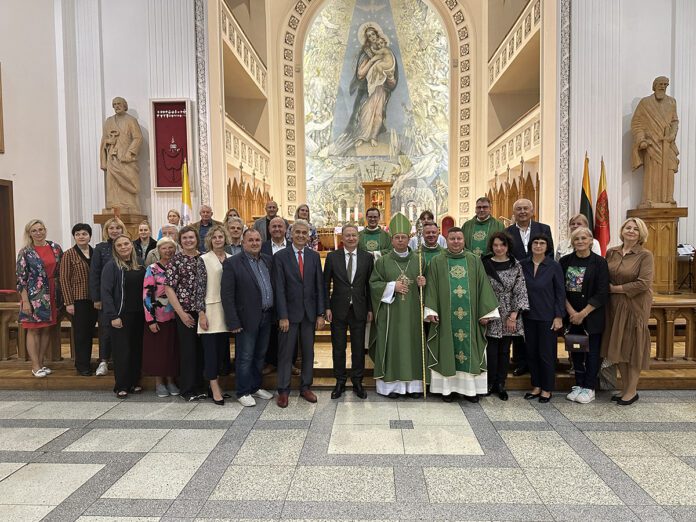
{"type": "Point", "coordinates": [434, 311]}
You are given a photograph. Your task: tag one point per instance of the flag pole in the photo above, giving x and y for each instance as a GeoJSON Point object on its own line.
{"type": "Point", "coordinates": [419, 235]}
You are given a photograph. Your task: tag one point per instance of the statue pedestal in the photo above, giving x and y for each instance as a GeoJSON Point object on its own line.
{"type": "Point", "coordinates": [130, 220]}
{"type": "Point", "coordinates": [662, 242]}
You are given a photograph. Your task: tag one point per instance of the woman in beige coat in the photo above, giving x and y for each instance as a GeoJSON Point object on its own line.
{"type": "Point", "coordinates": [626, 339]}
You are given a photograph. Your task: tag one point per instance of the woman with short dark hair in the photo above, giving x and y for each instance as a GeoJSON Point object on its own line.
{"type": "Point", "coordinates": [74, 282]}
{"type": "Point", "coordinates": [546, 294]}
{"type": "Point", "coordinates": [507, 280]}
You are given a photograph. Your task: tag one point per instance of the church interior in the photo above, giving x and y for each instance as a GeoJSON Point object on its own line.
{"type": "Point", "coordinates": [344, 105]}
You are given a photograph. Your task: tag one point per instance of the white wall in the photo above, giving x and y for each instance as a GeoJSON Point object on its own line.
{"type": "Point", "coordinates": [30, 114]}
{"type": "Point", "coordinates": [617, 49]}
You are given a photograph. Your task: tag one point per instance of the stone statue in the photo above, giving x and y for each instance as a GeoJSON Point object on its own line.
{"type": "Point", "coordinates": [118, 158]}
{"type": "Point", "coordinates": [654, 127]}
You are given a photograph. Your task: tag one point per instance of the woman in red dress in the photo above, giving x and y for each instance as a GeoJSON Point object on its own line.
{"type": "Point", "coordinates": [38, 265]}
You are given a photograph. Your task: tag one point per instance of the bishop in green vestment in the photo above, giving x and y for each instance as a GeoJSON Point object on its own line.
{"type": "Point", "coordinates": [372, 238]}
{"type": "Point", "coordinates": [396, 346]}
{"type": "Point", "coordinates": [478, 230]}
{"type": "Point", "coordinates": [458, 301]}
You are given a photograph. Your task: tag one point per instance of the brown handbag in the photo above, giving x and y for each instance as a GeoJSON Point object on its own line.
{"type": "Point", "coordinates": [576, 343]}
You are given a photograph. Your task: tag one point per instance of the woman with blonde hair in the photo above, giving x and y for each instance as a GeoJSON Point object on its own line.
{"type": "Point", "coordinates": [102, 254]}
{"type": "Point", "coordinates": [626, 340]}
{"type": "Point", "coordinates": [38, 268]}
{"type": "Point", "coordinates": [173, 218]}
{"type": "Point", "coordinates": [302, 212]}
{"type": "Point", "coordinates": [565, 247]}
{"type": "Point", "coordinates": [144, 243]}
{"type": "Point", "coordinates": [122, 290]}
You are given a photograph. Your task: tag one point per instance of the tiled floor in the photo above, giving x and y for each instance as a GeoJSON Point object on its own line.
{"type": "Point", "coordinates": [85, 456]}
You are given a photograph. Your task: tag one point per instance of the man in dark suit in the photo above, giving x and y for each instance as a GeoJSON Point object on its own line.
{"type": "Point", "coordinates": [263, 225]}
{"type": "Point", "coordinates": [521, 230]}
{"type": "Point", "coordinates": [299, 300]}
{"type": "Point", "coordinates": [347, 280]}
{"type": "Point", "coordinates": [276, 242]}
{"type": "Point", "coordinates": [247, 299]}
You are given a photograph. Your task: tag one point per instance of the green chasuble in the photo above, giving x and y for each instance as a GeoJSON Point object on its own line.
{"type": "Point", "coordinates": [395, 347]}
{"type": "Point", "coordinates": [459, 291]}
{"type": "Point", "coordinates": [477, 233]}
{"type": "Point", "coordinates": [374, 240]}
{"type": "Point", "coordinates": [430, 253]}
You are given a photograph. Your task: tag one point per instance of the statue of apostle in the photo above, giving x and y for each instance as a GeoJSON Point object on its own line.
{"type": "Point", "coordinates": [654, 127]}
{"type": "Point", "coordinates": [118, 158]}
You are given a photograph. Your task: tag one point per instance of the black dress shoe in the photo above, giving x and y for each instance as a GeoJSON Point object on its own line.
{"type": "Point", "coordinates": [448, 398]}
{"type": "Point", "coordinates": [85, 373]}
{"type": "Point", "coordinates": [520, 371]}
{"type": "Point", "coordinates": [338, 390]}
{"type": "Point", "coordinates": [493, 389]}
{"type": "Point", "coordinates": [359, 391]}
{"type": "Point", "coordinates": [220, 402]}
{"type": "Point", "coordinates": [531, 396]}
{"type": "Point", "coordinates": [393, 395]}
{"type": "Point", "coordinates": [415, 395]}
{"type": "Point", "coordinates": [622, 402]}
{"type": "Point", "coordinates": [616, 398]}
{"type": "Point", "coordinates": [471, 398]}
{"type": "Point", "coordinates": [502, 394]}
{"type": "Point", "coordinates": [544, 400]}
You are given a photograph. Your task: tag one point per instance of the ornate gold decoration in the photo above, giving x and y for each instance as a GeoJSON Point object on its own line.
{"type": "Point", "coordinates": [460, 313]}
{"type": "Point", "coordinates": [371, 245]}
{"type": "Point", "coordinates": [403, 278]}
{"type": "Point", "coordinates": [480, 235]}
{"type": "Point", "coordinates": [478, 251]}
{"type": "Point", "coordinates": [460, 335]}
{"type": "Point", "coordinates": [459, 291]}
{"type": "Point", "coordinates": [457, 271]}
{"type": "Point", "coordinates": [461, 357]}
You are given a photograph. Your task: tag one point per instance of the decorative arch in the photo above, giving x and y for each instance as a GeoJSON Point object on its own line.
{"type": "Point", "coordinates": [458, 28]}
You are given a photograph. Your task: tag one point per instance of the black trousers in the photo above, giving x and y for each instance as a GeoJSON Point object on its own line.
{"type": "Point", "coordinates": [127, 350]}
{"type": "Point", "coordinates": [104, 337]}
{"type": "Point", "coordinates": [498, 360]}
{"type": "Point", "coordinates": [215, 346]}
{"type": "Point", "coordinates": [83, 329]}
{"type": "Point", "coordinates": [190, 358]}
{"type": "Point", "coordinates": [519, 352]}
{"type": "Point", "coordinates": [287, 344]}
{"type": "Point", "coordinates": [339, 342]}
{"type": "Point", "coordinates": [541, 353]}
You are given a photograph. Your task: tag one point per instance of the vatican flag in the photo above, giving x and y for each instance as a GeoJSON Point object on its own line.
{"type": "Point", "coordinates": [186, 207]}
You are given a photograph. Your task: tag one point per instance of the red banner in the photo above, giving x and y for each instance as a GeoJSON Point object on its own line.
{"type": "Point", "coordinates": [171, 141]}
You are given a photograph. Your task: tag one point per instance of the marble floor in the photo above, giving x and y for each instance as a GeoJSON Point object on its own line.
{"type": "Point", "coordinates": [86, 456]}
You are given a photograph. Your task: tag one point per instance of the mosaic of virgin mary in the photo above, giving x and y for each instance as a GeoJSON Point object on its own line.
{"type": "Point", "coordinates": [376, 76]}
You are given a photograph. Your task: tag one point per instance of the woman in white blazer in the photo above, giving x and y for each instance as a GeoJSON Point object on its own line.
{"type": "Point", "coordinates": [215, 337]}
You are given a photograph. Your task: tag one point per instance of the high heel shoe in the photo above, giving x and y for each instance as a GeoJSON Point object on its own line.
{"type": "Point", "coordinates": [531, 396]}
{"type": "Point", "coordinates": [220, 402]}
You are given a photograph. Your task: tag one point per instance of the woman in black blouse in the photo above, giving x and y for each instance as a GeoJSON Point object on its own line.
{"type": "Point", "coordinates": [587, 291]}
{"type": "Point", "coordinates": [122, 300]}
{"type": "Point", "coordinates": [544, 278]}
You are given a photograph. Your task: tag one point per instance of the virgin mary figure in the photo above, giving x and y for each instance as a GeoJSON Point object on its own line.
{"type": "Point", "coordinates": [376, 76]}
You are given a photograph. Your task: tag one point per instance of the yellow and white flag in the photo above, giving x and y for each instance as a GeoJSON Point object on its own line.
{"type": "Point", "coordinates": [186, 207]}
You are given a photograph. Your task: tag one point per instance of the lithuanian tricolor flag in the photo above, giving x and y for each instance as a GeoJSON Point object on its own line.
{"type": "Point", "coordinates": [601, 229]}
{"type": "Point", "coordinates": [586, 196]}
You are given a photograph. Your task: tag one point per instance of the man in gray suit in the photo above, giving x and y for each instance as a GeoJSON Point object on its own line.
{"type": "Point", "coordinates": [299, 297]}
{"type": "Point", "coordinates": [263, 224]}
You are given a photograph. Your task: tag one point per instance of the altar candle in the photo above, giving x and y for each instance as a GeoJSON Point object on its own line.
{"type": "Point", "coordinates": [403, 210]}
{"type": "Point", "coordinates": [340, 214]}
{"type": "Point", "coordinates": [355, 214]}
{"type": "Point", "coordinates": [347, 213]}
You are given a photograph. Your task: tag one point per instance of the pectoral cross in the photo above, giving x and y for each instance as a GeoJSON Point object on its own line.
{"type": "Point", "coordinates": [404, 280]}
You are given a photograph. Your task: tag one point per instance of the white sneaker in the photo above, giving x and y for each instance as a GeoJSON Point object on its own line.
{"type": "Point", "coordinates": [102, 369]}
{"type": "Point", "coordinates": [39, 373]}
{"type": "Point", "coordinates": [262, 394]}
{"type": "Point", "coordinates": [585, 396]}
{"type": "Point", "coordinates": [47, 370]}
{"type": "Point", "coordinates": [574, 392]}
{"type": "Point", "coordinates": [247, 401]}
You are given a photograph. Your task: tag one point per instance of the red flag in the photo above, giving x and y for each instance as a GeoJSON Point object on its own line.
{"type": "Point", "coordinates": [601, 228]}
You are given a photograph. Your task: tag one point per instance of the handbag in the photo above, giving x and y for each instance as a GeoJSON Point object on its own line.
{"type": "Point", "coordinates": [576, 343]}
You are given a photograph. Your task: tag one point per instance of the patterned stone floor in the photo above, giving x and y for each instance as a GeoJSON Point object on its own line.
{"type": "Point", "coordinates": [85, 456]}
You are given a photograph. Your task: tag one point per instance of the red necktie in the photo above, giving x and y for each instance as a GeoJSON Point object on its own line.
{"type": "Point", "coordinates": [301, 263]}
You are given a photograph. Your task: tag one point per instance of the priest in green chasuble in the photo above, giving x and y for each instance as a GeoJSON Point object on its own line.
{"type": "Point", "coordinates": [478, 230]}
{"type": "Point", "coordinates": [429, 246]}
{"type": "Point", "coordinates": [459, 301]}
{"type": "Point", "coordinates": [396, 346]}
{"type": "Point", "coordinates": [372, 238]}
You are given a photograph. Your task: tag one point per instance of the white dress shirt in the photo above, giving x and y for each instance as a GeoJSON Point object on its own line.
{"type": "Point", "coordinates": [277, 247]}
{"type": "Point", "coordinates": [355, 263]}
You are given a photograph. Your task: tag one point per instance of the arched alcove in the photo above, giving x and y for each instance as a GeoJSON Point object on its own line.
{"type": "Point", "coordinates": [461, 114]}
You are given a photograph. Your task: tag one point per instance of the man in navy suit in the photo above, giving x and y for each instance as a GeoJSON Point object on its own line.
{"type": "Point", "coordinates": [277, 240]}
{"type": "Point", "coordinates": [347, 280]}
{"type": "Point", "coordinates": [299, 300]}
{"type": "Point", "coordinates": [521, 230]}
{"type": "Point", "coordinates": [247, 299]}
